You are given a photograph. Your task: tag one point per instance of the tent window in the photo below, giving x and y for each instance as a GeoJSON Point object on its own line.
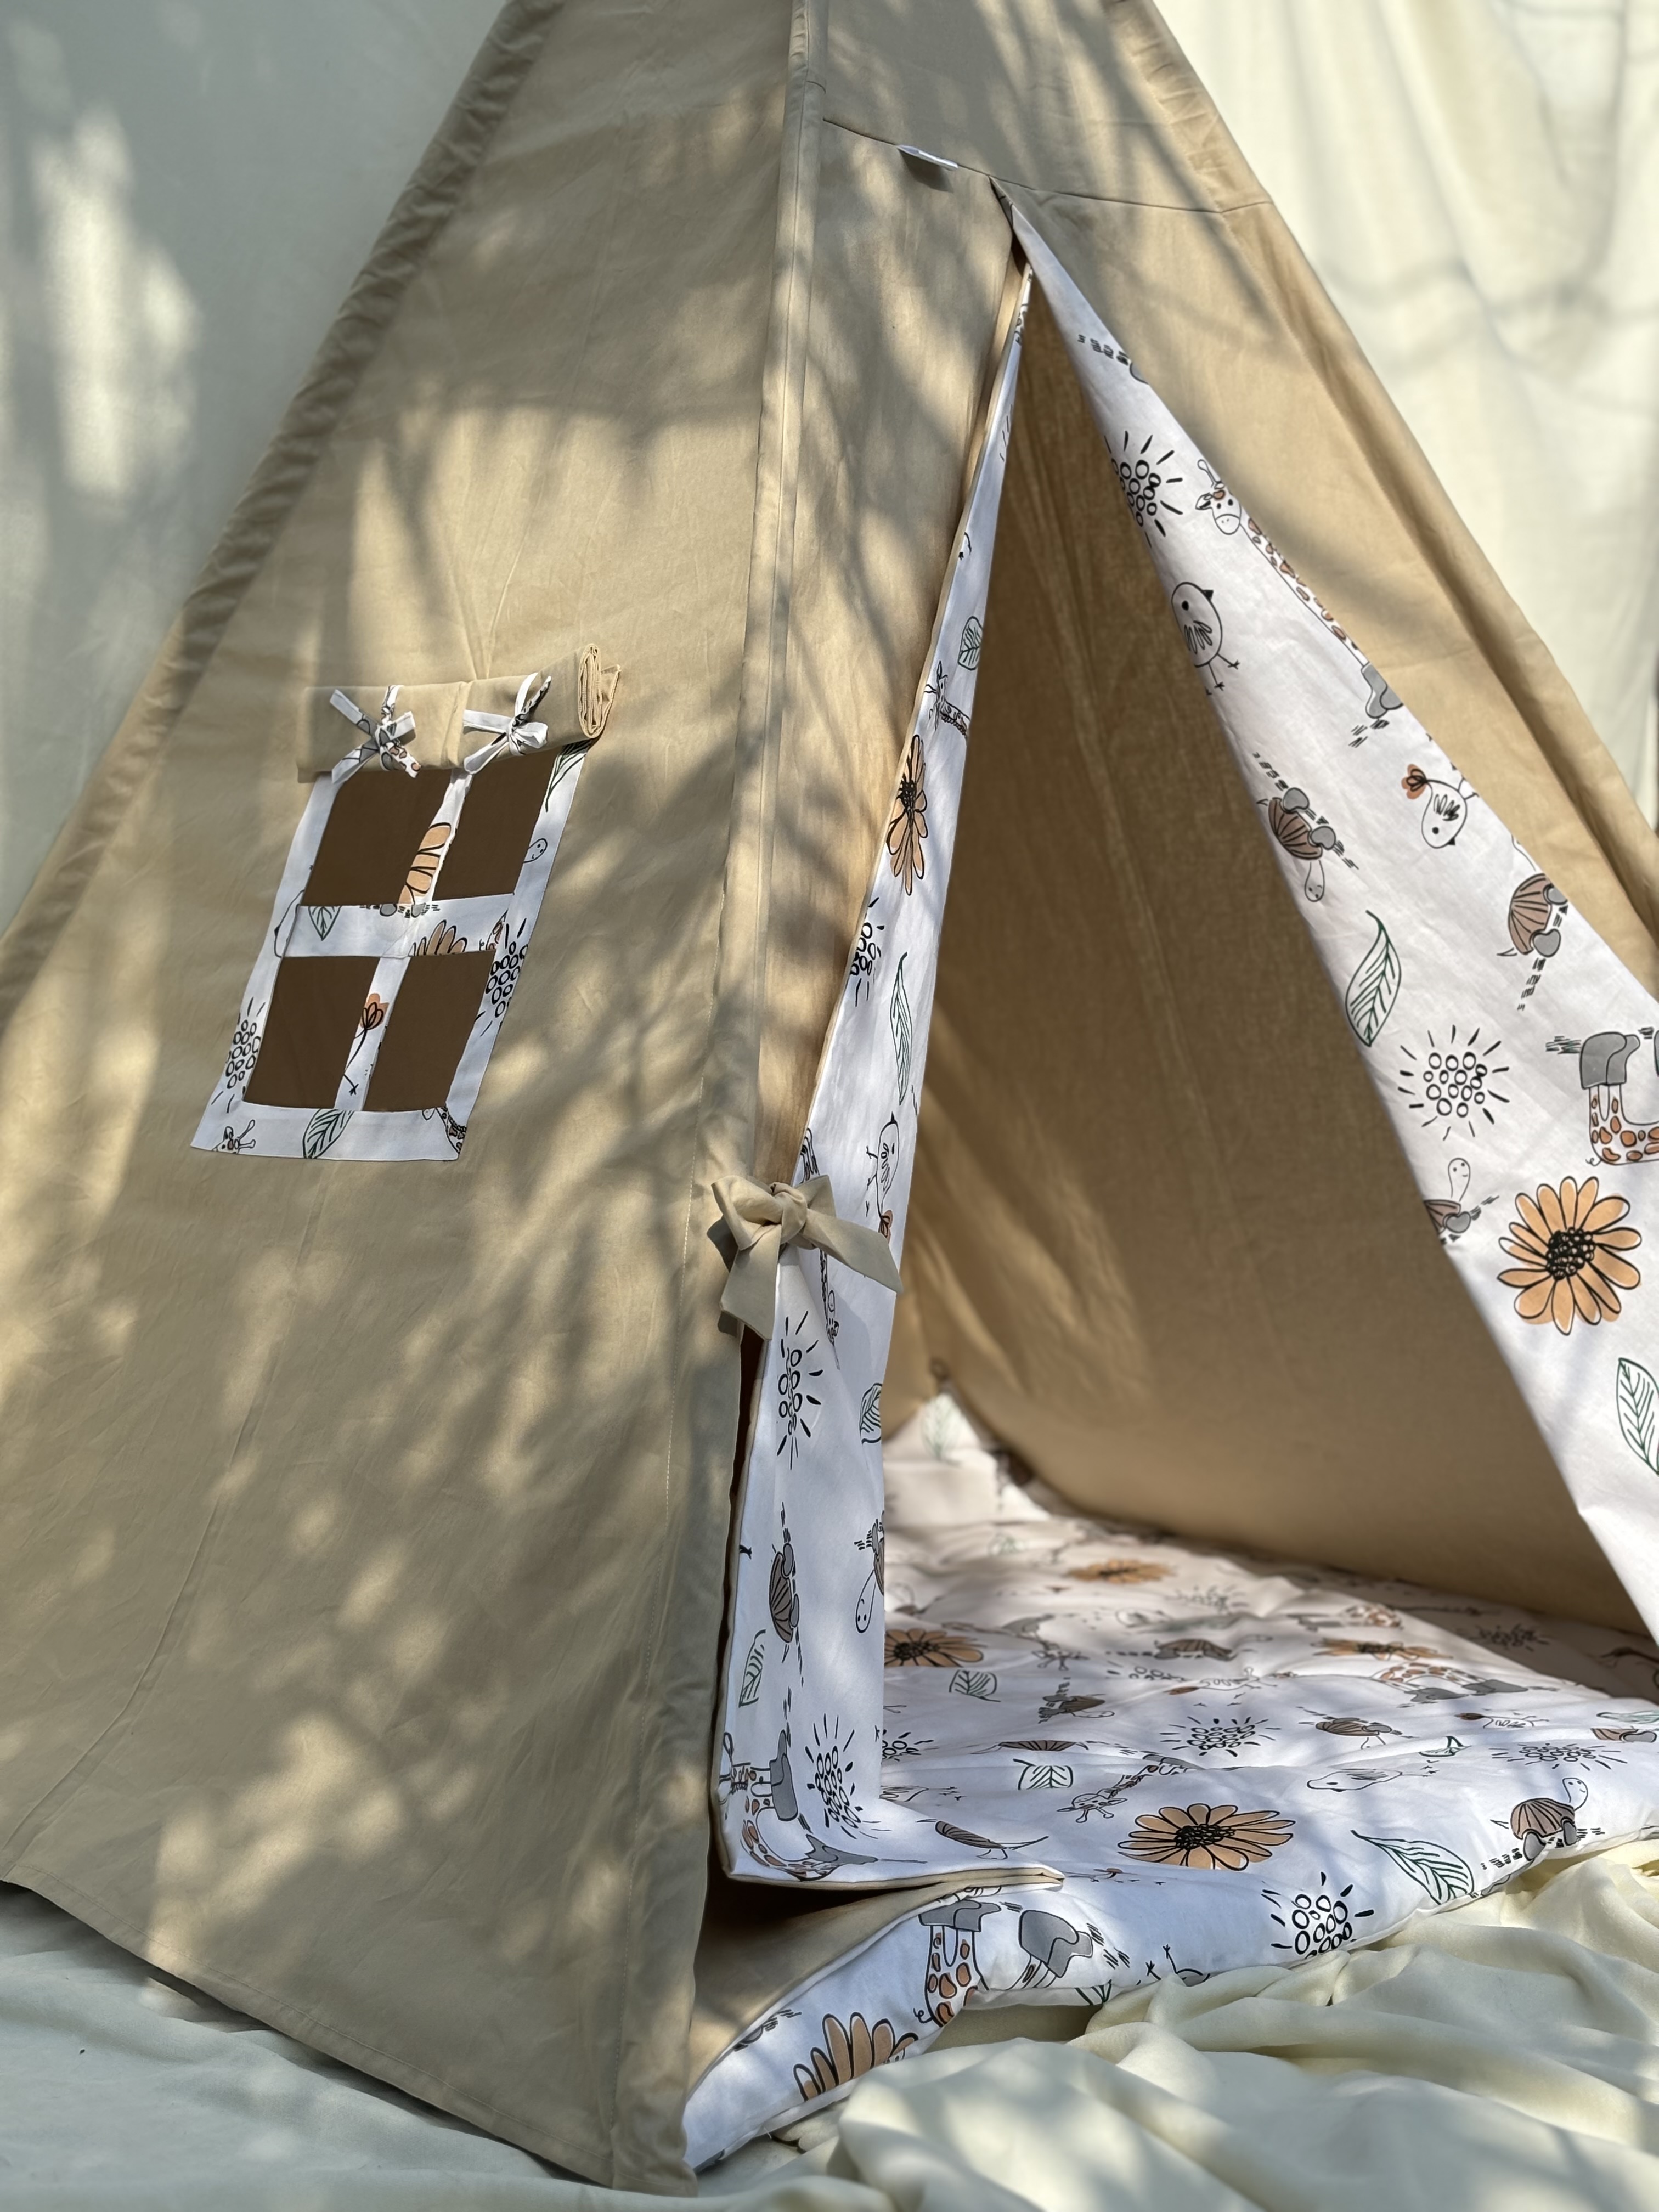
{"type": "Point", "coordinates": [399, 932]}
{"type": "Point", "coordinates": [375, 826]}
{"type": "Point", "coordinates": [427, 1033]}
{"type": "Point", "coordinates": [315, 1013]}
{"type": "Point", "coordinates": [494, 833]}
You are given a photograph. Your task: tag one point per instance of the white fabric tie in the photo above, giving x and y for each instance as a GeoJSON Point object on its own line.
{"type": "Point", "coordinates": [761, 1218]}
{"type": "Point", "coordinates": [513, 733]}
{"type": "Point", "coordinates": [383, 740]}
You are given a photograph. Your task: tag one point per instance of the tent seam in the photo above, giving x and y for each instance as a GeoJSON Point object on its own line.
{"type": "Point", "coordinates": [783, 372]}
{"type": "Point", "coordinates": [1217, 209]}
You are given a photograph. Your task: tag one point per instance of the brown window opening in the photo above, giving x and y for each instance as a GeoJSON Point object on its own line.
{"type": "Point", "coordinates": [426, 1033]}
{"type": "Point", "coordinates": [496, 825]}
{"type": "Point", "coordinates": [373, 832]}
{"type": "Point", "coordinates": [315, 1008]}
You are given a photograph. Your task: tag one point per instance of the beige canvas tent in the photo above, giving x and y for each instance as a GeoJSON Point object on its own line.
{"type": "Point", "coordinates": [371, 1435]}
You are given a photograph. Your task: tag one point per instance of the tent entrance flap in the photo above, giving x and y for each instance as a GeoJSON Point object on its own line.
{"type": "Point", "coordinates": [1403, 876]}
{"type": "Point", "coordinates": [1445, 943]}
{"type": "Point", "coordinates": [806, 1627]}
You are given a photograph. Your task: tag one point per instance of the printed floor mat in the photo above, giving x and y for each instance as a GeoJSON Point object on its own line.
{"type": "Point", "coordinates": [1201, 1761]}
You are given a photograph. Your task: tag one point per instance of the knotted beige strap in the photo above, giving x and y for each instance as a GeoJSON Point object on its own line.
{"type": "Point", "coordinates": [764, 1217]}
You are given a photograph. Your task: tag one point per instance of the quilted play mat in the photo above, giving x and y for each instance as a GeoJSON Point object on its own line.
{"type": "Point", "coordinates": [1159, 1761]}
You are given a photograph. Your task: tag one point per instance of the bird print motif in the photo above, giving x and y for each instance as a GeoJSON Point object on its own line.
{"type": "Point", "coordinates": [1200, 619]}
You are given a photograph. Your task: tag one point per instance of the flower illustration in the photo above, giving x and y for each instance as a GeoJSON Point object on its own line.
{"type": "Point", "coordinates": [830, 1753]}
{"type": "Point", "coordinates": [929, 1647]}
{"type": "Point", "coordinates": [1209, 1735]}
{"type": "Point", "coordinates": [794, 1423]}
{"type": "Point", "coordinates": [909, 825]}
{"type": "Point", "coordinates": [847, 2051]}
{"type": "Point", "coordinates": [1207, 1836]}
{"type": "Point", "coordinates": [1453, 1086]}
{"type": "Point", "coordinates": [1572, 1253]}
{"type": "Point", "coordinates": [505, 967]}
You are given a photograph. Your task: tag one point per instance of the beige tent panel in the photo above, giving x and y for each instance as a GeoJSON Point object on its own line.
{"type": "Point", "coordinates": [367, 1522]}
{"type": "Point", "coordinates": [363, 1616]}
{"type": "Point", "coordinates": [1165, 1237]}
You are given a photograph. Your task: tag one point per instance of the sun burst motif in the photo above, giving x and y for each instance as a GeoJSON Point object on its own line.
{"type": "Point", "coordinates": [1453, 1087]}
{"type": "Point", "coordinates": [1145, 481]}
{"type": "Point", "coordinates": [795, 1394]}
{"type": "Point", "coordinates": [829, 1757]}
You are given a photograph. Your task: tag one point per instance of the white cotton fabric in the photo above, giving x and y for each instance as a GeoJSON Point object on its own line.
{"type": "Point", "coordinates": [1028, 1674]}
{"type": "Point", "coordinates": [1504, 2053]}
{"type": "Point", "coordinates": [1476, 183]}
{"type": "Point", "coordinates": [502, 926]}
{"type": "Point", "coordinates": [194, 191]}
{"type": "Point", "coordinates": [1165, 1764]}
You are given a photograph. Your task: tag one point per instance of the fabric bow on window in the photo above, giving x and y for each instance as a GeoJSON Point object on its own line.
{"type": "Point", "coordinates": [513, 733]}
{"type": "Point", "coordinates": [762, 1218]}
{"type": "Point", "coordinates": [383, 740]}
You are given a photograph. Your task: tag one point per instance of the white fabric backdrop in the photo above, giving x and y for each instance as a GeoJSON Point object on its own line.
{"type": "Point", "coordinates": [1477, 182]}
{"type": "Point", "coordinates": [189, 189]}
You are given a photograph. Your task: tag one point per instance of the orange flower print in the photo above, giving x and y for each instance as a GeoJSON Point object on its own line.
{"type": "Point", "coordinates": [1569, 1248]}
{"type": "Point", "coordinates": [423, 869]}
{"type": "Point", "coordinates": [848, 2051]}
{"type": "Point", "coordinates": [1208, 1836]}
{"type": "Point", "coordinates": [929, 1647]}
{"type": "Point", "coordinates": [442, 939]}
{"type": "Point", "coordinates": [373, 1013]}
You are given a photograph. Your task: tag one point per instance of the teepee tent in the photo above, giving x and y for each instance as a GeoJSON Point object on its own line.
{"type": "Point", "coordinates": [487, 1040]}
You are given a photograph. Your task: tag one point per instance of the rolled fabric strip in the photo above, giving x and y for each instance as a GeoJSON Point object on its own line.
{"type": "Point", "coordinates": [383, 740]}
{"type": "Point", "coordinates": [513, 733]}
{"type": "Point", "coordinates": [763, 1218]}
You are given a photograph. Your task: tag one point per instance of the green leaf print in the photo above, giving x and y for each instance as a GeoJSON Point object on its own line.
{"type": "Point", "coordinates": [1638, 1412]}
{"type": "Point", "coordinates": [1373, 987]}
{"type": "Point", "coordinates": [1441, 1871]}
{"type": "Point", "coordinates": [326, 1127]}
{"type": "Point", "coordinates": [898, 1013]}
{"type": "Point", "coordinates": [753, 1667]}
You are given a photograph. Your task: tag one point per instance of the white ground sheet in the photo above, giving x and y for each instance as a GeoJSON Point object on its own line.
{"type": "Point", "coordinates": [1501, 2054]}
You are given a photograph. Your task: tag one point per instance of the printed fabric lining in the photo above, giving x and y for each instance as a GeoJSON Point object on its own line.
{"type": "Point", "coordinates": [1444, 943]}
{"type": "Point", "coordinates": [1223, 1763]}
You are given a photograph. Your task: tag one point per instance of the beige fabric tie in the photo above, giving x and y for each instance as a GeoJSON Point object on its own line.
{"type": "Point", "coordinates": [764, 1217]}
